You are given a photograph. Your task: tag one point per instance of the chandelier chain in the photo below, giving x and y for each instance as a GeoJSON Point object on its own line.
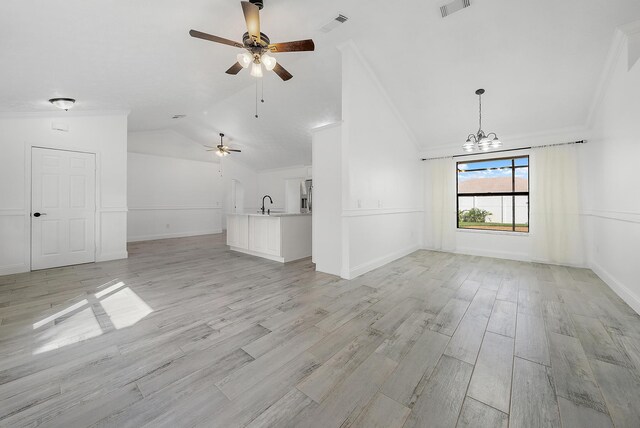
{"type": "Point", "coordinates": [480, 140]}
{"type": "Point", "coordinates": [480, 113]}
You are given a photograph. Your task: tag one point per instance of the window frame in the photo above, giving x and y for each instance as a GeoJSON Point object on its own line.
{"type": "Point", "coordinates": [513, 193]}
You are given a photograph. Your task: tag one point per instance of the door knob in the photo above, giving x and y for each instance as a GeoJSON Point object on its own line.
{"type": "Point", "coordinates": [38, 214]}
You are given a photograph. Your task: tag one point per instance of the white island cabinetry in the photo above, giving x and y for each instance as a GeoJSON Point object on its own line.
{"type": "Point", "coordinates": [279, 237]}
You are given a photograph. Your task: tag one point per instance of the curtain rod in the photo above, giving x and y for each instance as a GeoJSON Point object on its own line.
{"type": "Point", "coordinates": [508, 150]}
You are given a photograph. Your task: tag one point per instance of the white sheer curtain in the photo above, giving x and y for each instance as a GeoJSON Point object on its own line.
{"type": "Point", "coordinates": [441, 204]}
{"type": "Point", "coordinates": [554, 205]}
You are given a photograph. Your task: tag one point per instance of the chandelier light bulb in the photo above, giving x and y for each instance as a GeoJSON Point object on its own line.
{"type": "Point", "coordinates": [268, 61]}
{"type": "Point", "coordinates": [256, 69]}
{"type": "Point", "coordinates": [244, 59]}
{"type": "Point", "coordinates": [496, 143]}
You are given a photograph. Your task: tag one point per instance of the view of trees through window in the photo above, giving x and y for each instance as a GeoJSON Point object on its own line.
{"type": "Point", "coordinates": [493, 194]}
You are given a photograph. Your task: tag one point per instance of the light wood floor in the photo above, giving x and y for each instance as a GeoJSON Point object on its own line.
{"type": "Point", "coordinates": [187, 333]}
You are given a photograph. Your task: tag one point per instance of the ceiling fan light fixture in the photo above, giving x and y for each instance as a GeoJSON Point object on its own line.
{"type": "Point", "coordinates": [268, 61]}
{"type": "Point", "coordinates": [244, 59]}
{"type": "Point", "coordinates": [63, 103]}
{"type": "Point", "coordinates": [256, 69]}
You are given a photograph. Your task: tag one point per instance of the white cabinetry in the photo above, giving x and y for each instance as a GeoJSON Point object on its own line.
{"type": "Point", "coordinates": [282, 238]}
{"type": "Point", "coordinates": [264, 235]}
{"type": "Point", "coordinates": [237, 227]}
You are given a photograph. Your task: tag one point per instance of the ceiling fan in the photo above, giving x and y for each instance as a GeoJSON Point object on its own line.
{"type": "Point", "coordinates": [257, 45]}
{"type": "Point", "coordinates": [222, 150]}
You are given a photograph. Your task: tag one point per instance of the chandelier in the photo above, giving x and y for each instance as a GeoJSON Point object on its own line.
{"type": "Point", "coordinates": [480, 141]}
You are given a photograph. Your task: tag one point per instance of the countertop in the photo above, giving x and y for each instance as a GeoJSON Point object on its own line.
{"type": "Point", "coordinates": [272, 214]}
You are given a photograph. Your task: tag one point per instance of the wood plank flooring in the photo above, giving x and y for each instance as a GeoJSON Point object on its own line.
{"type": "Point", "coordinates": [186, 333]}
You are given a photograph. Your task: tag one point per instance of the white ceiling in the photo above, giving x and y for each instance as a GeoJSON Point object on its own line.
{"type": "Point", "coordinates": [539, 61]}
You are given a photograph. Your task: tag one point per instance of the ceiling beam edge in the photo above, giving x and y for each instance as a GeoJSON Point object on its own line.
{"type": "Point", "coordinates": [350, 44]}
{"type": "Point", "coordinates": [621, 35]}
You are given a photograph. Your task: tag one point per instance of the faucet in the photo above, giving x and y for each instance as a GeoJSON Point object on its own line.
{"type": "Point", "coordinates": [270, 200]}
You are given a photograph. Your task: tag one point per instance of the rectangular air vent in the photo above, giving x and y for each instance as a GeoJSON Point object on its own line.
{"type": "Point", "coordinates": [453, 7]}
{"type": "Point", "coordinates": [340, 19]}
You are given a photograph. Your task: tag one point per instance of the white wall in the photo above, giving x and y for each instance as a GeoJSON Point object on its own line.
{"type": "Point", "coordinates": [104, 134]}
{"type": "Point", "coordinates": [380, 186]}
{"type": "Point", "coordinates": [170, 197]}
{"type": "Point", "coordinates": [193, 196]}
{"type": "Point", "coordinates": [327, 199]}
{"type": "Point", "coordinates": [614, 211]}
{"type": "Point", "coordinates": [272, 182]}
{"type": "Point", "coordinates": [232, 170]}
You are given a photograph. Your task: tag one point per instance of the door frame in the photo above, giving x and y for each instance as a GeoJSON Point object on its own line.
{"type": "Point", "coordinates": [28, 150]}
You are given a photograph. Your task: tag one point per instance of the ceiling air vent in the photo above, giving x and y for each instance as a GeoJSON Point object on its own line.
{"type": "Point", "coordinates": [453, 7]}
{"type": "Point", "coordinates": [340, 19]}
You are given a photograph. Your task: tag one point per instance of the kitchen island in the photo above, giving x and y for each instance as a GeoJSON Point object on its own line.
{"type": "Point", "coordinates": [281, 237]}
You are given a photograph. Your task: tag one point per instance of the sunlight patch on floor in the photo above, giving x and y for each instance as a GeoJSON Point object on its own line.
{"type": "Point", "coordinates": [78, 322]}
{"type": "Point", "coordinates": [80, 326]}
{"type": "Point", "coordinates": [125, 308]}
{"type": "Point", "coordinates": [60, 314]}
{"type": "Point", "coordinates": [108, 290]}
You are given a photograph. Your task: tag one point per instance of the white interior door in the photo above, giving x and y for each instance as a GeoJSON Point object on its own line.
{"type": "Point", "coordinates": [63, 207]}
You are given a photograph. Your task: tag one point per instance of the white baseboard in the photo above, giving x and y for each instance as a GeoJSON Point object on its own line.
{"type": "Point", "coordinates": [112, 256]}
{"type": "Point", "coordinates": [258, 254]}
{"type": "Point", "coordinates": [380, 261]}
{"type": "Point", "coordinates": [13, 269]}
{"type": "Point", "coordinates": [521, 257]}
{"type": "Point", "coordinates": [619, 288]}
{"type": "Point", "coordinates": [172, 235]}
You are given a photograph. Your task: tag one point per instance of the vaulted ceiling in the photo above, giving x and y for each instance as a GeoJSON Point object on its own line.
{"type": "Point", "coordinates": [539, 60]}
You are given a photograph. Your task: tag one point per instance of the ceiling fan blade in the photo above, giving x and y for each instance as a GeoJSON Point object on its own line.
{"type": "Point", "coordinates": [234, 150]}
{"type": "Point", "coordinates": [212, 38]}
{"type": "Point", "coordinates": [297, 46]}
{"type": "Point", "coordinates": [252, 16]}
{"type": "Point", "coordinates": [234, 69]}
{"type": "Point", "coordinates": [280, 71]}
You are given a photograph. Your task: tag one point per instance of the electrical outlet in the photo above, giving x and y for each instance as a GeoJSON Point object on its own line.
{"type": "Point", "coordinates": [359, 203]}
{"type": "Point", "coordinates": [168, 226]}
{"type": "Point", "coordinates": [379, 203]}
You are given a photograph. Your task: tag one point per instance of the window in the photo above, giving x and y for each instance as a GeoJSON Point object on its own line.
{"type": "Point", "coordinates": [493, 194]}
